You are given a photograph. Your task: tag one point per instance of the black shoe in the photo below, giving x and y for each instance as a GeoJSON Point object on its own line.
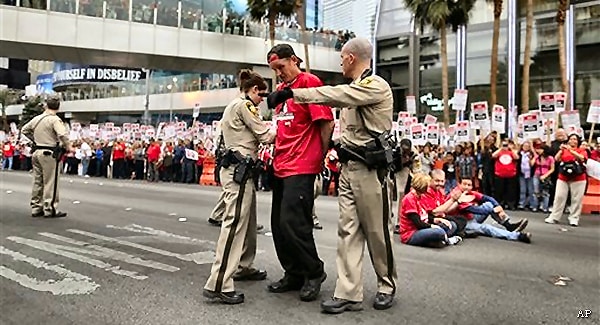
{"type": "Point", "coordinates": [250, 274]}
{"type": "Point", "coordinates": [311, 288]}
{"type": "Point", "coordinates": [524, 237]}
{"type": "Point", "coordinates": [37, 215]}
{"type": "Point", "coordinates": [383, 301]}
{"type": "Point", "coordinates": [287, 283]}
{"type": "Point", "coordinates": [518, 226]}
{"type": "Point", "coordinates": [214, 222]}
{"type": "Point", "coordinates": [470, 235]}
{"type": "Point", "coordinates": [230, 298]}
{"type": "Point", "coordinates": [337, 306]}
{"type": "Point", "coordinates": [57, 214]}
{"type": "Point", "coordinates": [318, 226]}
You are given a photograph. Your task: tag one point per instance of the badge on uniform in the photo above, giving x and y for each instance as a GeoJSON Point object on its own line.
{"type": "Point", "coordinates": [365, 81]}
{"type": "Point", "coordinates": [252, 108]}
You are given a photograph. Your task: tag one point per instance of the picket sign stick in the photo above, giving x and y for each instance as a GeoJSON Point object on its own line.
{"type": "Point", "coordinates": [548, 136]}
{"type": "Point", "coordinates": [591, 133]}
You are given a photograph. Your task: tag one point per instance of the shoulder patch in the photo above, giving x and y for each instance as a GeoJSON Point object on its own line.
{"type": "Point", "coordinates": [366, 81]}
{"type": "Point", "coordinates": [252, 108]}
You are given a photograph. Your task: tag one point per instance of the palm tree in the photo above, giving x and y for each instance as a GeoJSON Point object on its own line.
{"type": "Point", "coordinates": [301, 16]}
{"type": "Point", "coordinates": [527, 58]}
{"type": "Point", "coordinates": [560, 19]}
{"type": "Point", "coordinates": [272, 9]}
{"type": "Point", "coordinates": [441, 14]}
{"type": "Point", "coordinates": [495, 39]}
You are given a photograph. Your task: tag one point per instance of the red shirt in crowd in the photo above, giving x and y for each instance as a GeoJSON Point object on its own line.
{"type": "Point", "coordinates": [201, 156]}
{"type": "Point", "coordinates": [298, 137]}
{"type": "Point", "coordinates": [153, 152]}
{"type": "Point", "coordinates": [567, 156]}
{"type": "Point", "coordinates": [505, 165]}
{"type": "Point", "coordinates": [118, 151]}
{"type": "Point", "coordinates": [411, 203]}
{"type": "Point", "coordinates": [8, 150]}
{"type": "Point", "coordinates": [595, 155]}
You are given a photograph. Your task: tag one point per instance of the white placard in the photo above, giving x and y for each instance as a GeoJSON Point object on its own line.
{"type": "Point", "coordinates": [417, 134]}
{"type": "Point", "coordinates": [430, 119]}
{"type": "Point", "coordinates": [460, 99]}
{"type": "Point", "coordinates": [560, 99]}
{"type": "Point", "coordinates": [411, 105]}
{"type": "Point", "coordinates": [499, 119]}
{"type": "Point", "coordinates": [570, 119]}
{"type": "Point", "coordinates": [547, 104]}
{"type": "Point", "coordinates": [191, 154]}
{"type": "Point", "coordinates": [463, 131]}
{"type": "Point", "coordinates": [531, 126]}
{"type": "Point", "coordinates": [196, 111]}
{"type": "Point", "coordinates": [433, 133]}
{"type": "Point", "coordinates": [337, 131]}
{"type": "Point", "coordinates": [480, 114]}
{"type": "Point", "coordinates": [593, 169]}
{"type": "Point", "coordinates": [594, 112]}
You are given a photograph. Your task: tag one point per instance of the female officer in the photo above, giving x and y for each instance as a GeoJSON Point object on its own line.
{"type": "Point", "coordinates": [243, 130]}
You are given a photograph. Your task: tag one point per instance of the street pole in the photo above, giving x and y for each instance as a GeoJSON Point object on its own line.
{"type": "Point", "coordinates": [461, 63]}
{"type": "Point", "coordinates": [513, 61]}
{"type": "Point", "coordinates": [146, 117]}
{"type": "Point", "coordinates": [570, 46]}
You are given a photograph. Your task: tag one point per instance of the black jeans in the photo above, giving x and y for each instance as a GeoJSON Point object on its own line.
{"type": "Point", "coordinates": [292, 225]}
{"type": "Point", "coordinates": [507, 191]}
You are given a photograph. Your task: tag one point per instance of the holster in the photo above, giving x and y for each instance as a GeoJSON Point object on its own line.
{"type": "Point", "coordinates": [244, 166]}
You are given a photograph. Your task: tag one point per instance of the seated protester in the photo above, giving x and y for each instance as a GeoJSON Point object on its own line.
{"type": "Point", "coordinates": [438, 204]}
{"type": "Point", "coordinates": [476, 221]}
{"type": "Point", "coordinates": [482, 206]}
{"type": "Point", "coordinates": [416, 226]}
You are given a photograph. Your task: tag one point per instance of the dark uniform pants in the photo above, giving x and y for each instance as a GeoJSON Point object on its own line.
{"type": "Point", "coordinates": [236, 248]}
{"type": "Point", "coordinates": [292, 226]}
{"type": "Point", "coordinates": [365, 217]}
{"type": "Point", "coordinates": [43, 183]}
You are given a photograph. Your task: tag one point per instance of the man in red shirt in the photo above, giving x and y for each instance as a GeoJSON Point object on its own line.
{"type": "Point", "coordinates": [8, 152]}
{"type": "Point", "coordinates": [153, 153]}
{"type": "Point", "coordinates": [118, 157]}
{"type": "Point", "coordinates": [303, 134]}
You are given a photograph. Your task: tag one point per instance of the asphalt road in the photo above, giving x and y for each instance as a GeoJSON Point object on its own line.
{"type": "Point", "coordinates": [123, 256]}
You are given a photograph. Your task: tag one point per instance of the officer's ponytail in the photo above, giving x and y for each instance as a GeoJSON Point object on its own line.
{"type": "Point", "coordinates": [249, 79]}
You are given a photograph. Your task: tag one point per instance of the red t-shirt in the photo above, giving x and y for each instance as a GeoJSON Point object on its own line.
{"type": "Point", "coordinates": [505, 165]}
{"type": "Point", "coordinates": [432, 199]}
{"type": "Point", "coordinates": [201, 156]}
{"type": "Point", "coordinates": [118, 151]}
{"type": "Point", "coordinates": [153, 152]}
{"type": "Point", "coordinates": [411, 203]}
{"type": "Point", "coordinates": [298, 142]}
{"type": "Point", "coordinates": [8, 150]}
{"type": "Point", "coordinates": [567, 156]}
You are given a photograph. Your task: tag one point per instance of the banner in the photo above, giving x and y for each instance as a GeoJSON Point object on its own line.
{"type": "Point", "coordinates": [67, 73]}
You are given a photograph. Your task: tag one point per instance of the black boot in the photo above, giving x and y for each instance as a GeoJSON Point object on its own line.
{"type": "Point", "coordinates": [230, 298]}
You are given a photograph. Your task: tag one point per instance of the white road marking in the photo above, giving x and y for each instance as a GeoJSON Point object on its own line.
{"type": "Point", "coordinates": [151, 231]}
{"type": "Point", "coordinates": [67, 251]}
{"type": "Point", "coordinates": [72, 284]}
{"type": "Point", "coordinates": [113, 254]}
{"type": "Point", "coordinates": [198, 258]}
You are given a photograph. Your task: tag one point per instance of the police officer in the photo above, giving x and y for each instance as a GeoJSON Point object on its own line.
{"type": "Point", "coordinates": [243, 130]}
{"type": "Point", "coordinates": [49, 136]}
{"type": "Point", "coordinates": [364, 193]}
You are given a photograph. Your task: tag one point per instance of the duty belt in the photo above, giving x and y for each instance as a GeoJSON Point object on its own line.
{"type": "Point", "coordinates": [346, 154]}
{"type": "Point", "coordinates": [44, 147]}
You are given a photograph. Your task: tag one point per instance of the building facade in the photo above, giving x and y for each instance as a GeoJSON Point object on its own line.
{"type": "Point", "coordinates": [396, 51]}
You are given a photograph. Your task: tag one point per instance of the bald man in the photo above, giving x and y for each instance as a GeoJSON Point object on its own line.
{"type": "Point", "coordinates": [364, 189]}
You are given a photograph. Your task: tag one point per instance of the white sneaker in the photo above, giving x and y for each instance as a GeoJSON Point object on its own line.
{"type": "Point", "coordinates": [550, 220]}
{"type": "Point", "coordinates": [454, 240]}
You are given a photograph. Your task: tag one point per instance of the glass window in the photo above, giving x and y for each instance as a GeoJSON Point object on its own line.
{"type": "Point", "coordinates": [93, 8]}
{"type": "Point", "coordinates": [117, 9]}
{"type": "Point", "coordinates": [167, 13]}
{"type": "Point", "coordinates": [67, 6]}
{"type": "Point", "coordinates": [36, 4]}
{"type": "Point", "coordinates": [143, 11]}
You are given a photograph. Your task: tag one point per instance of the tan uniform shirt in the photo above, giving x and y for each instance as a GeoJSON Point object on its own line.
{"type": "Point", "coordinates": [243, 128]}
{"type": "Point", "coordinates": [47, 132]}
{"type": "Point", "coordinates": [371, 95]}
